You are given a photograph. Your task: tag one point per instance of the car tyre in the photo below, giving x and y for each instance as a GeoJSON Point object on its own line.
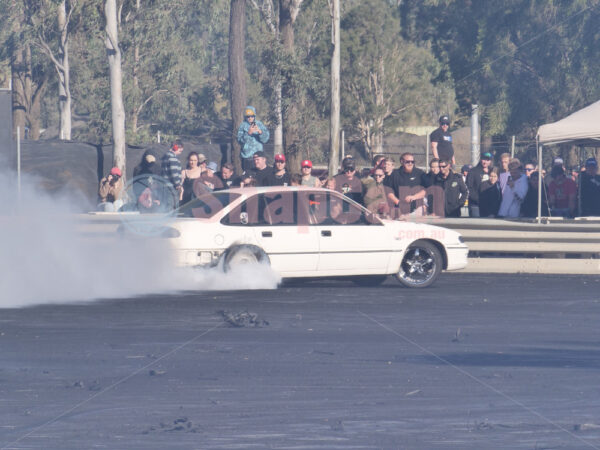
{"type": "Point", "coordinates": [239, 255]}
{"type": "Point", "coordinates": [370, 280]}
{"type": "Point", "coordinates": [420, 266]}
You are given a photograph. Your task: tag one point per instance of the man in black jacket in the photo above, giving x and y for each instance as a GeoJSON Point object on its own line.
{"type": "Point", "coordinates": [455, 190]}
{"type": "Point", "coordinates": [476, 176]}
{"type": "Point", "coordinates": [408, 186]}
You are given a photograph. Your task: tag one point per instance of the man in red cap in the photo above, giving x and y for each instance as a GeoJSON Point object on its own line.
{"type": "Point", "coordinates": [110, 190]}
{"type": "Point", "coordinates": [307, 178]}
{"type": "Point", "coordinates": [279, 177]}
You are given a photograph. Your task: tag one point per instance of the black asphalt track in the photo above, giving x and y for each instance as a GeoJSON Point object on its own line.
{"type": "Point", "coordinates": [474, 362]}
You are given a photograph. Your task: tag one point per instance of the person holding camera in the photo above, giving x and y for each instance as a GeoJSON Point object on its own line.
{"type": "Point", "coordinates": [110, 190]}
{"type": "Point", "coordinates": [251, 136]}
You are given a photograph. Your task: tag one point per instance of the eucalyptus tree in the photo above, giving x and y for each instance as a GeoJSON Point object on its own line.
{"type": "Point", "coordinates": [386, 80]}
{"type": "Point", "coordinates": [20, 47]}
{"type": "Point", "coordinates": [113, 52]}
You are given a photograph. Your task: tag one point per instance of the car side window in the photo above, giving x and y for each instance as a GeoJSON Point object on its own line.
{"type": "Point", "coordinates": [311, 207]}
{"type": "Point", "coordinates": [277, 208]}
{"type": "Point", "coordinates": [264, 209]}
{"type": "Point", "coordinates": [343, 212]}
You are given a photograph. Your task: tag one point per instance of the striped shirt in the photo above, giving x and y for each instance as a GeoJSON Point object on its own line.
{"type": "Point", "coordinates": [171, 168]}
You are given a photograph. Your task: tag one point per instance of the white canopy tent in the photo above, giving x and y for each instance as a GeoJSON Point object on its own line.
{"type": "Point", "coordinates": [580, 128]}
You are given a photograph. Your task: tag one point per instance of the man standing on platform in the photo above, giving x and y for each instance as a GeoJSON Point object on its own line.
{"type": "Point", "coordinates": [441, 141]}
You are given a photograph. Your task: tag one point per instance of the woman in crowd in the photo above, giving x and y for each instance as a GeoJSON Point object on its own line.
{"type": "Point", "coordinates": [192, 172]}
{"type": "Point", "coordinates": [375, 198]}
{"type": "Point", "coordinates": [490, 195]}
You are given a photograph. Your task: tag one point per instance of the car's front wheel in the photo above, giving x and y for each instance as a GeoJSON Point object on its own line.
{"type": "Point", "coordinates": [242, 254]}
{"type": "Point", "coordinates": [421, 265]}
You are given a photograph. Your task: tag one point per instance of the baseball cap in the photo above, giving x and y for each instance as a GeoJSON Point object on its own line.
{"type": "Point", "coordinates": [248, 112]}
{"type": "Point", "coordinates": [465, 168]}
{"type": "Point", "coordinates": [444, 120]}
{"type": "Point", "coordinates": [115, 171]}
{"type": "Point", "coordinates": [486, 155]}
{"type": "Point", "coordinates": [306, 163]}
{"type": "Point", "coordinates": [558, 162]}
{"type": "Point", "coordinates": [348, 164]}
{"type": "Point", "coordinates": [280, 157]}
{"type": "Point", "coordinates": [212, 166]}
{"type": "Point", "coordinates": [259, 154]}
{"type": "Point", "coordinates": [591, 162]}
{"type": "Point", "coordinates": [150, 159]}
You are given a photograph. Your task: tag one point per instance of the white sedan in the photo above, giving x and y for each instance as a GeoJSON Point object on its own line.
{"type": "Point", "coordinates": [309, 232]}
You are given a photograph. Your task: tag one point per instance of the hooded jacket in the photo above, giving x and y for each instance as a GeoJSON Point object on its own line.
{"type": "Point", "coordinates": [252, 143]}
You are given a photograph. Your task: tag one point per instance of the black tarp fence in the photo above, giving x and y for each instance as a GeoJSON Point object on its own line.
{"type": "Point", "coordinates": [59, 166]}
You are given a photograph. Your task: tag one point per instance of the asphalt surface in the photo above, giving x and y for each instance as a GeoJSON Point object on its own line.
{"type": "Point", "coordinates": [474, 362]}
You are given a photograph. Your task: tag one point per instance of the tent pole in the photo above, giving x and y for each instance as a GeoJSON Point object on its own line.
{"type": "Point", "coordinates": [581, 149]}
{"type": "Point", "coordinates": [539, 152]}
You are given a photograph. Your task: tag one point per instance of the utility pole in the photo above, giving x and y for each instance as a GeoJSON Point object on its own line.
{"type": "Point", "coordinates": [474, 135]}
{"type": "Point", "coordinates": [334, 133]}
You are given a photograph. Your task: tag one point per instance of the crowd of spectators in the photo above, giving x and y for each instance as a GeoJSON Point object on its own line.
{"type": "Point", "coordinates": [508, 190]}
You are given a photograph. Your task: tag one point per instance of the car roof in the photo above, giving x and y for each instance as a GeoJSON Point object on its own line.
{"type": "Point", "coordinates": [249, 189]}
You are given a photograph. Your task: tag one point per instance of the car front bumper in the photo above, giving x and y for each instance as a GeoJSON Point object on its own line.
{"type": "Point", "coordinates": [457, 257]}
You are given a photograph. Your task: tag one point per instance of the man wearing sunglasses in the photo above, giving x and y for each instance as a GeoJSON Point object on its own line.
{"type": "Point", "coordinates": [408, 186]}
{"type": "Point", "coordinates": [441, 141]}
{"type": "Point", "coordinates": [455, 189]}
{"type": "Point", "coordinates": [348, 182]}
{"type": "Point", "coordinates": [251, 136]}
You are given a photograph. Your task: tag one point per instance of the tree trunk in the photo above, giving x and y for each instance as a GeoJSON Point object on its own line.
{"type": "Point", "coordinates": [27, 95]}
{"type": "Point", "coordinates": [35, 110]}
{"type": "Point", "coordinates": [19, 107]}
{"type": "Point", "coordinates": [135, 110]}
{"type": "Point", "coordinates": [278, 132]}
{"type": "Point", "coordinates": [237, 73]}
{"type": "Point", "coordinates": [116, 84]}
{"type": "Point", "coordinates": [64, 90]}
{"type": "Point", "coordinates": [334, 133]}
{"type": "Point", "coordinates": [290, 121]}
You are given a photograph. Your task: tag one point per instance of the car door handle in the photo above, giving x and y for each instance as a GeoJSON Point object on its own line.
{"type": "Point", "coordinates": [267, 234]}
{"type": "Point", "coordinates": [326, 233]}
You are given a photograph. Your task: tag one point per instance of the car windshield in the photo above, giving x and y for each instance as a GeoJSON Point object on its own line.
{"type": "Point", "coordinates": [207, 205]}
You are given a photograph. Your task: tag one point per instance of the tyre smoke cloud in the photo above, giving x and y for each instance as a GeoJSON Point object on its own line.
{"type": "Point", "coordinates": [44, 258]}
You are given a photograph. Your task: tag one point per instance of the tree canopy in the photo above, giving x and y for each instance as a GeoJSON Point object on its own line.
{"type": "Point", "coordinates": [404, 62]}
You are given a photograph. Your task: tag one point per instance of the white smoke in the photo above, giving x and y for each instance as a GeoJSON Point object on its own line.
{"type": "Point", "coordinates": [45, 259]}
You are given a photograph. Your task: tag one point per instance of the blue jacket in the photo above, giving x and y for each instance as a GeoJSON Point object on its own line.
{"type": "Point", "coordinates": [252, 143]}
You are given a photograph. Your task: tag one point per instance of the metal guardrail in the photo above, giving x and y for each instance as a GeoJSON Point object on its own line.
{"type": "Point", "coordinates": [495, 245]}
{"type": "Point", "coordinates": [524, 246]}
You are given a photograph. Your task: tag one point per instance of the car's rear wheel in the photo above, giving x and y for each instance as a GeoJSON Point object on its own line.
{"type": "Point", "coordinates": [369, 280]}
{"type": "Point", "coordinates": [243, 254]}
{"type": "Point", "coordinates": [421, 265]}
